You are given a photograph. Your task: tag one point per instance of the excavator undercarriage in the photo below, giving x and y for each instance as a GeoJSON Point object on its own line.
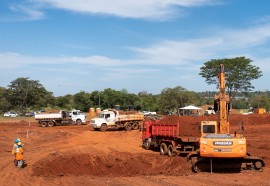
{"type": "Point", "coordinates": [200, 164]}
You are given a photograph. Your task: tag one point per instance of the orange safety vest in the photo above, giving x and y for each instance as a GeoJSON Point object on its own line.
{"type": "Point", "coordinates": [19, 154]}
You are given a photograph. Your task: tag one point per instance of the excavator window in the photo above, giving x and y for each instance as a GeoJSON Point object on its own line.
{"type": "Point", "coordinates": [210, 129]}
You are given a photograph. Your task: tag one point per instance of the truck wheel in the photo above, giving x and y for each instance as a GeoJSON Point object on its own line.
{"type": "Point", "coordinates": [135, 126]}
{"type": "Point", "coordinates": [128, 126]}
{"type": "Point", "coordinates": [163, 149]}
{"type": "Point", "coordinates": [103, 127]}
{"type": "Point", "coordinates": [78, 122]}
{"type": "Point", "coordinates": [43, 124]}
{"type": "Point", "coordinates": [146, 145]}
{"type": "Point", "coordinates": [171, 153]}
{"type": "Point", "coordinates": [50, 123]}
{"type": "Point", "coordinates": [258, 165]}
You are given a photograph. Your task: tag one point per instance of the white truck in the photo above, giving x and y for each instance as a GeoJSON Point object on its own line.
{"type": "Point", "coordinates": [149, 113]}
{"type": "Point", "coordinates": [209, 111]}
{"type": "Point", "coordinates": [52, 119]}
{"type": "Point", "coordinates": [112, 119]}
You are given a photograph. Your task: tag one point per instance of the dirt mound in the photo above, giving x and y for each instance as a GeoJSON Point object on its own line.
{"type": "Point", "coordinates": [233, 119]}
{"type": "Point", "coordinates": [190, 125]}
{"type": "Point", "coordinates": [114, 164]}
{"type": "Point", "coordinates": [251, 119]}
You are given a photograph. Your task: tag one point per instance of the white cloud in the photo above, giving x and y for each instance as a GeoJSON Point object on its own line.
{"type": "Point", "coordinates": [15, 60]}
{"type": "Point", "coordinates": [29, 12]}
{"type": "Point", "coordinates": [246, 38]}
{"type": "Point", "coordinates": [22, 12]}
{"type": "Point", "coordinates": [184, 53]}
{"type": "Point", "coordinates": [146, 9]}
{"type": "Point", "coordinates": [179, 52]}
{"type": "Point", "coordinates": [92, 60]}
{"type": "Point", "coordinates": [229, 43]}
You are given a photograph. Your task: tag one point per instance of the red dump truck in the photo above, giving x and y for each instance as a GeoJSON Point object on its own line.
{"type": "Point", "coordinates": [171, 138]}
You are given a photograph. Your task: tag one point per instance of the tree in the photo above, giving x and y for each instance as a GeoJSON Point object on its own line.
{"type": "Point", "coordinates": [81, 101]}
{"type": "Point", "coordinates": [4, 104]}
{"type": "Point", "coordinates": [260, 101]}
{"type": "Point", "coordinates": [242, 103]}
{"type": "Point", "coordinates": [238, 72]}
{"type": "Point", "coordinates": [109, 98]}
{"type": "Point", "coordinates": [96, 99]}
{"type": "Point", "coordinates": [64, 102]}
{"type": "Point", "coordinates": [23, 94]}
{"type": "Point", "coordinates": [146, 101]}
{"type": "Point", "coordinates": [173, 98]}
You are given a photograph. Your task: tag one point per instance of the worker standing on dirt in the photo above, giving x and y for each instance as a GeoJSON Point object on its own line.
{"type": "Point", "coordinates": [15, 149]}
{"type": "Point", "coordinates": [19, 155]}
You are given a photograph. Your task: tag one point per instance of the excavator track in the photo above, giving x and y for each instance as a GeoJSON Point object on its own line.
{"type": "Point", "coordinates": [227, 164]}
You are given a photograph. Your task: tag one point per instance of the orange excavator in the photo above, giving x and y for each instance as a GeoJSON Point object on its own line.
{"type": "Point", "coordinates": [220, 150]}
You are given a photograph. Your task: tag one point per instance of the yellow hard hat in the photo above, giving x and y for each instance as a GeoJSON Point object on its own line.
{"type": "Point", "coordinates": [19, 143]}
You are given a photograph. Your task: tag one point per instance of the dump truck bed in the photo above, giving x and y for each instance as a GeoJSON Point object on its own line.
{"type": "Point", "coordinates": [130, 117]}
{"type": "Point", "coordinates": [184, 132]}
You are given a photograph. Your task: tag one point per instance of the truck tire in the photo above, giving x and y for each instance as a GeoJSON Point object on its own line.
{"type": "Point", "coordinates": [146, 145]}
{"type": "Point", "coordinates": [171, 153]}
{"type": "Point", "coordinates": [50, 124]}
{"type": "Point", "coordinates": [43, 124]}
{"type": "Point", "coordinates": [78, 122]}
{"type": "Point", "coordinates": [103, 127]}
{"type": "Point", "coordinates": [258, 165]}
{"type": "Point", "coordinates": [135, 126]}
{"type": "Point", "coordinates": [128, 127]}
{"type": "Point", "coordinates": [163, 149]}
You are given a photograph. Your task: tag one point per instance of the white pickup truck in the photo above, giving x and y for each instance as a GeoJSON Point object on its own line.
{"type": "Point", "coordinates": [209, 111]}
{"type": "Point", "coordinates": [112, 119]}
{"type": "Point", "coordinates": [52, 119]}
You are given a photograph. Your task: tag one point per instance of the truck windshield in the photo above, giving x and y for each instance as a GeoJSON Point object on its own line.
{"type": "Point", "coordinates": [101, 115]}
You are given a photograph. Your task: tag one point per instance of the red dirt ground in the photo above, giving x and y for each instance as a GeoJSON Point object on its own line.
{"type": "Point", "coordinates": [77, 155]}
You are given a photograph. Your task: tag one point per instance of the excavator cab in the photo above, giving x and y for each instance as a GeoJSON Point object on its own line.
{"type": "Point", "coordinates": [208, 127]}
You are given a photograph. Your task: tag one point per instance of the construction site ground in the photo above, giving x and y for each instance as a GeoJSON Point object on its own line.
{"type": "Point", "coordinates": [78, 155]}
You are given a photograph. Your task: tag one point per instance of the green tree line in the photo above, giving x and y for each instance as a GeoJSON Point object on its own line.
{"type": "Point", "coordinates": [24, 94]}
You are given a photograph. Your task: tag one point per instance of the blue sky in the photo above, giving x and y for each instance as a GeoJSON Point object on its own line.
{"type": "Point", "coordinates": [86, 45]}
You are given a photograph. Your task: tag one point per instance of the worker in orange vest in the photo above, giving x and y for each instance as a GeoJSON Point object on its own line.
{"type": "Point", "coordinates": [18, 152]}
{"type": "Point", "coordinates": [15, 149]}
